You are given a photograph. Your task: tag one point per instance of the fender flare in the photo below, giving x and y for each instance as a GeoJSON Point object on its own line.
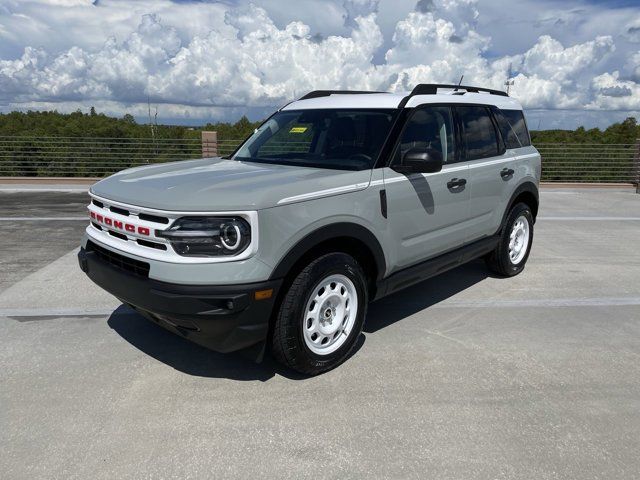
{"type": "Point", "coordinates": [329, 232]}
{"type": "Point", "coordinates": [528, 187]}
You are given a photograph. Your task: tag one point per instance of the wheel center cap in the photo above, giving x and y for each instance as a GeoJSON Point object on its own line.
{"type": "Point", "coordinates": [327, 315]}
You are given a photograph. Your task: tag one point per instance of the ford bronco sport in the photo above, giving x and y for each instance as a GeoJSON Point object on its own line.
{"type": "Point", "coordinates": [338, 199]}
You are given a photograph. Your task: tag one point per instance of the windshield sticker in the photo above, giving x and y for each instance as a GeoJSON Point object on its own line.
{"type": "Point", "coordinates": [298, 130]}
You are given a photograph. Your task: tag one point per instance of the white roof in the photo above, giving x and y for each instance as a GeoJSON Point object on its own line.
{"type": "Point", "coordinates": [392, 100]}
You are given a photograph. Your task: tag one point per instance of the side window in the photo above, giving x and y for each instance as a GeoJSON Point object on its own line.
{"type": "Point", "coordinates": [479, 133]}
{"type": "Point", "coordinates": [519, 125]}
{"type": "Point", "coordinates": [429, 127]}
{"type": "Point", "coordinates": [508, 133]}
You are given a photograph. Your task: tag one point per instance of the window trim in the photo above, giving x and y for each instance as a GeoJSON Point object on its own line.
{"type": "Point", "coordinates": [385, 156]}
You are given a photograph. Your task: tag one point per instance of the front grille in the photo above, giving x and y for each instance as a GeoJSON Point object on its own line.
{"type": "Point", "coordinates": [152, 218]}
{"type": "Point", "coordinates": [121, 211]}
{"type": "Point", "coordinates": [121, 236]}
{"type": "Point", "coordinates": [146, 243]}
{"type": "Point", "coordinates": [119, 261]}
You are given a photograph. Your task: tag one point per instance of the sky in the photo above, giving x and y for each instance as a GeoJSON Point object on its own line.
{"type": "Point", "coordinates": [573, 62]}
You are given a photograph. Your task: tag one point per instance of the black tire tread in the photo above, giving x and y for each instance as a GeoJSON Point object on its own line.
{"type": "Point", "coordinates": [498, 261]}
{"type": "Point", "coordinates": [284, 332]}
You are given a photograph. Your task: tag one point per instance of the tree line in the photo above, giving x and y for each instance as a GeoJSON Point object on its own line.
{"type": "Point", "coordinates": [89, 125]}
{"type": "Point", "coordinates": [626, 132]}
{"type": "Point", "coordinates": [94, 144]}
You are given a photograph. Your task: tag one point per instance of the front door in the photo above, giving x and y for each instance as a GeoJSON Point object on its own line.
{"type": "Point", "coordinates": [427, 211]}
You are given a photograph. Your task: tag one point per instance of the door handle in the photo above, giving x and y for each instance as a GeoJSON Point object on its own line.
{"type": "Point", "coordinates": [507, 172]}
{"type": "Point", "coordinates": [456, 182]}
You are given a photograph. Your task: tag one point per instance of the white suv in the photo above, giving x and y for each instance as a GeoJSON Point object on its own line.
{"type": "Point", "coordinates": [339, 198]}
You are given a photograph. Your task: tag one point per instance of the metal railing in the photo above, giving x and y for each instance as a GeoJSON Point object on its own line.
{"type": "Point", "coordinates": [98, 157]}
{"type": "Point", "coordinates": [588, 162]}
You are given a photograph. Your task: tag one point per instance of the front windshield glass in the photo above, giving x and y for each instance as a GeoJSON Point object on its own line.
{"type": "Point", "coordinates": [339, 139]}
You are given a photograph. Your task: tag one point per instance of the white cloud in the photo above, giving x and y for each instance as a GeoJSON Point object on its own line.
{"type": "Point", "coordinates": [203, 58]}
{"type": "Point", "coordinates": [615, 94]}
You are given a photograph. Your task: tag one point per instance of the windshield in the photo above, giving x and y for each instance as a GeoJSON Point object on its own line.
{"type": "Point", "coordinates": [338, 139]}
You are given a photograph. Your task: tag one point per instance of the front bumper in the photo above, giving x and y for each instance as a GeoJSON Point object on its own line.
{"type": "Point", "coordinates": [222, 318]}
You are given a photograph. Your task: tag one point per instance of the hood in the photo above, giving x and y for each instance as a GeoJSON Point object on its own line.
{"type": "Point", "coordinates": [216, 184]}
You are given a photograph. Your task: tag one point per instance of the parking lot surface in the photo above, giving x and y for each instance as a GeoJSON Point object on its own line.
{"type": "Point", "coordinates": [463, 376]}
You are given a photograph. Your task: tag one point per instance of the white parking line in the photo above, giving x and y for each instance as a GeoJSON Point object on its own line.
{"type": "Point", "coordinates": [542, 303]}
{"type": "Point", "coordinates": [592, 219]}
{"type": "Point", "coordinates": [24, 314]}
{"type": "Point", "coordinates": [44, 189]}
{"type": "Point", "coordinates": [38, 313]}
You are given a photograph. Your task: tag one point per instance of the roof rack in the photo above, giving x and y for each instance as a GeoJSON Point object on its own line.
{"type": "Point", "coordinates": [432, 89]}
{"type": "Point", "coordinates": [326, 93]}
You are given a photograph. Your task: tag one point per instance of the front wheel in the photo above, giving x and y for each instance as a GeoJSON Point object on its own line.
{"type": "Point", "coordinates": [511, 254]}
{"type": "Point", "coordinates": [321, 315]}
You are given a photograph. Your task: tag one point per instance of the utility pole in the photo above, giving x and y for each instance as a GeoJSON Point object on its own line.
{"type": "Point", "coordinates": [153, 126]}
{"type": "Point", "coordinates": [509, 81]}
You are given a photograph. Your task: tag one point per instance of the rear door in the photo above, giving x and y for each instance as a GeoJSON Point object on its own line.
{"type": "Point", "coordinates": [427, 211]}
{"type": "Point", "coordinates": [490, 169]}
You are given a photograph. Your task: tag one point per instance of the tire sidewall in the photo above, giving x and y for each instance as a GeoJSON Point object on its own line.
{"type": "Point", "coordinates": [516, 212]}
{"type": "Point", "coordinates": [327, 265]}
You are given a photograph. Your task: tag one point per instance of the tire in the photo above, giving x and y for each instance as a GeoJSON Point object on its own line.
{"type": "Point", "coordinates": [508, 261]}
{"type": "Point", "coordinates": [327, 298]}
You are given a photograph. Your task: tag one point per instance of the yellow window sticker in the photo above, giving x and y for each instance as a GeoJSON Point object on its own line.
{"type": "Point", "coordinates": [298, 130]}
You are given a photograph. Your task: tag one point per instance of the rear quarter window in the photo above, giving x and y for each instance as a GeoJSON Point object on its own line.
{"type": "Point", "coordinates": [519, 125]}
{"type": "Point", "coordinates": [508, 133]}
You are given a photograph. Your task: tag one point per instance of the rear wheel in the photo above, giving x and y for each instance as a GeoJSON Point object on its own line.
{"type": "Point", "coordinates": [511, 254]}
{"type": "Point", "coordinates": [321, 315]}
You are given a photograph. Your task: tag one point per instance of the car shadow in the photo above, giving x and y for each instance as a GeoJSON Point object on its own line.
{"type": "Point", "coordinates": [192, 359]}
{"type": "Point", "coordinates": [405, 303]}
{"type": "Point", "coordinates": [421, 186]}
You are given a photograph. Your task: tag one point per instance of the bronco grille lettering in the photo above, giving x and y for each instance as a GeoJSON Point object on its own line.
{"type": "Point", "coordinates": [117, 224]}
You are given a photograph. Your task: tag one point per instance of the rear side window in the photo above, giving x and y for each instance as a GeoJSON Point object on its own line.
{"type": "Point", "coordinates": [519, 125]}
{"type": "Point", "coordinates": [479, 133]}
{"type": "Point", "coordinates": [508, 133]}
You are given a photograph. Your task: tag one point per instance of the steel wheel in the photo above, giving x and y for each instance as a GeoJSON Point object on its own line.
{"type": "Point", "coordinates": [330, 314]}
{"type": "Point", "coordinates": [519, 240]}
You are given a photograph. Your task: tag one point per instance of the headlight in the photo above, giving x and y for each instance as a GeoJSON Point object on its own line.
{"type": "Point", "coordinates": [208, 236]}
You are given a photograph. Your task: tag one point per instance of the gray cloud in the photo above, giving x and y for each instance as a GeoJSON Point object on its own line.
{"type": "Point", "coordinates": [425, 6]}
{"type": "Point", "coordinates": [616, 91]}
{"type": "Point", "coordinates": [633, 34]}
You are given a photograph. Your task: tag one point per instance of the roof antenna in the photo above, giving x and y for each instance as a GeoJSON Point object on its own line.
{"type": "Point", "coordinates": [459, 83]}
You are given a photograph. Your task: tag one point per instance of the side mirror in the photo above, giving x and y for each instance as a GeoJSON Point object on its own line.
{"type": "Point", "coordinates": [418, 160]}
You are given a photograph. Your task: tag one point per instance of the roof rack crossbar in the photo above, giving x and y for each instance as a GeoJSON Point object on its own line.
{"type": "Point", "coordinates": [326, 93]}
{"type": "Point", "coordinates": [432, 89]}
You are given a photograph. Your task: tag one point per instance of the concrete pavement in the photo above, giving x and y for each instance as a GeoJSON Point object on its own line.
{"type": "Point", "coordinates": [463, 376]}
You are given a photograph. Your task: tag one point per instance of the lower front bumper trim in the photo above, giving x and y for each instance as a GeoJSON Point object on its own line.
{"type": "Point", "coordinates": [223, 318]}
